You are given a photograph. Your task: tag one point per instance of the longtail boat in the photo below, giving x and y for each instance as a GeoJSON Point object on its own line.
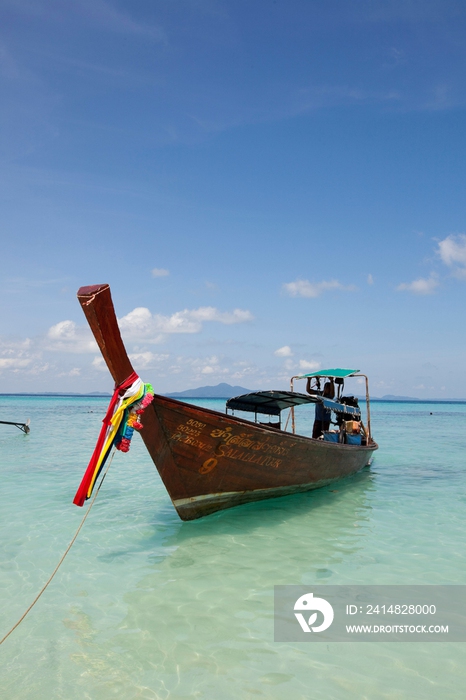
{"type": "Point", "coordinates": [209, 461]}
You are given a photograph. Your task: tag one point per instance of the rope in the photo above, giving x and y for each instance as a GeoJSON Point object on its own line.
{"type": "Point", "coordinates": [63, 556]}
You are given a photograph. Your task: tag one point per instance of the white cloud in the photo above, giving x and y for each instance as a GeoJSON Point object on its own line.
{"type": "Point", "coordinates": [246, 370]}
{"type": "Point", "coordinates": [160, 272]}
{"type": "Point", "coordinates": [141, 324]}
{"type": "Point", "coordinates": [370, 279]}
{"type": "Point", "coordinates": [14, 346]}
{"type": "Point", "coordinates": [309, 365]}
{"type": "Point", "coordinates": [37, 369]}
{"type": "Point", "coordinates": [143, 360]}
{"type": "Point", "coordinates": [75, 372]}
{"type": "Point", "coordinates": [66, 336]}
{"type": "Point", "coordinates": [99, 364]}
{"type": "Point", "coordinates": [14, 362]}
{"type": "Point", "coordinates": [199, 367]}
{"type": "Point", "coordinates": [452, 251]}
{"type": "Point", "coordinates": [209, 313]}
{"type": "Point", "coordinates": [16, 354]}
{"type": "Point", "coordinates": [420, 286]}
{"type": "Point", "coordinates": [304, 288]}
{"type": "Point", "coordinates": [285, 351]}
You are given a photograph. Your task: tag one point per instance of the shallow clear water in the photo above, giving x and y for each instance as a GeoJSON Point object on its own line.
{"type": "Point", "coordinates": [146, 606]}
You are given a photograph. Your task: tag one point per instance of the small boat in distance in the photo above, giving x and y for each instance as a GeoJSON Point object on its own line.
{"type": "Point", "coordinates": [209, 461]}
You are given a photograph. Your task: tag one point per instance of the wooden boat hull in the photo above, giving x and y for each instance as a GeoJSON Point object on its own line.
{"type": "Point", "coordinates": [209, 461]}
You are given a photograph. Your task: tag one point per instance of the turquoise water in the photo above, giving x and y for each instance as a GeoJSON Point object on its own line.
{"type": "Point", "coordinates": [146, 606]}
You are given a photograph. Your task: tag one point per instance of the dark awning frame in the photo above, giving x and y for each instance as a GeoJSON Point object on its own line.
{"type": "Point", "coordinates": [272, 403]}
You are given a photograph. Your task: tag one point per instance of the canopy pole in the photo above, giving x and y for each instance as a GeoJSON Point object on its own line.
{"type": "Point", "coordinates": [368, 408]}
{"type": "Point", "coordinates": [368, 404]}
{"type": "Point", "coordinates": [293, 425]}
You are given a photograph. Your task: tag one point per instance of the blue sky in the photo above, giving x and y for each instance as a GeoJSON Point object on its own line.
{"type": "Point", "coordinates": [268, 188]}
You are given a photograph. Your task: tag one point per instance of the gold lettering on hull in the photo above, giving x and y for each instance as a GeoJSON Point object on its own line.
{"type": "Point", "coordinates": [251, 458]}
{"type": "Point", "coordinates": [208, 465]}
{"type": "Point", "coordinates": [244, 440]}
{"type": "Point", "coordinates": [189, 440]}
{"type": "Point", "coordinates": [188, 432]}
{"type": "Point", "coordinates": [192, 427]}
{"type": "Point", "coordinates": [243, 447]}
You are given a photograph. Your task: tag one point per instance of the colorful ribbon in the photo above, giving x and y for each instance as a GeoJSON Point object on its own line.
{"type": "Point", "coordinates": [128, 402]}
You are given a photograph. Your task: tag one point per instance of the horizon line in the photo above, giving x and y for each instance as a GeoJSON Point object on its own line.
{"type": "Point", "coordinates": [98, 394]}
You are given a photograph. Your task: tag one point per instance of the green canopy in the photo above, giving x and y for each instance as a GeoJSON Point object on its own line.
{"type": "Point", "coordinates": [329, 373]}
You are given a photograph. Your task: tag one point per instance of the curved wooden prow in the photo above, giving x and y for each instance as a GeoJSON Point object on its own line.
{"type": "Point", "coordinates": [96, 302]}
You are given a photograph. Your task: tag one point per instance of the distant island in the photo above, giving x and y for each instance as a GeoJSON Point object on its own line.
{"type": "Point", "coordinates": [392, 397]}
{"type": "Point", "coordinates": [220, 391]}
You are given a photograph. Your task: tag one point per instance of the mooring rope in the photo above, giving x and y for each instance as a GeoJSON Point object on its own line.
{"type": "Point", "coordinates": [63, 556]}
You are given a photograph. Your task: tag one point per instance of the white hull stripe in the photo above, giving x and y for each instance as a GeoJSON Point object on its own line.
{"type": "Point", "coordinates": [226, 495]}
{"type": "Point", "coordinates": [209, 497]}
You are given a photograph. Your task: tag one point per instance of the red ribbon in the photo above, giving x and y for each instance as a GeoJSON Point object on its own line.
{"type": "Point", "coordinates": [81, 493]}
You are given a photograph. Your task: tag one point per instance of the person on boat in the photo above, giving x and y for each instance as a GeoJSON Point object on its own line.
{"type": "Point", "coordinates": [322, 415]}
